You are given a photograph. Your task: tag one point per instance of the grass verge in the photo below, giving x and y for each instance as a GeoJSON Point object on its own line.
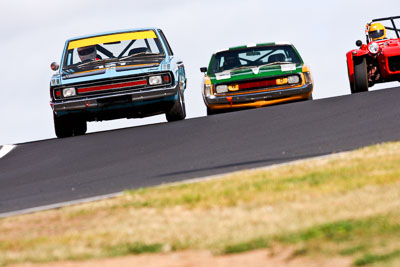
{"type": "Point", "coordinates": [344, 205]}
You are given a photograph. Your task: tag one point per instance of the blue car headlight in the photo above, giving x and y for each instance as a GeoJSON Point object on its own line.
{"type": "Point", "coordinates": [68, 92]}
{"type": "Point", "coordinates": [155, 80]}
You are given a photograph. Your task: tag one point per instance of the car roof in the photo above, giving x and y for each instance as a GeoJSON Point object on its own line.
{"type": "Point", "coordinates": [252, 45]}
{"type": "Point", "coordinates": [112, 32]}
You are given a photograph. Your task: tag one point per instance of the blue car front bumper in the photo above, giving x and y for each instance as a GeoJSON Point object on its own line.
{"type": "Point", "coordinates": [139, 103]}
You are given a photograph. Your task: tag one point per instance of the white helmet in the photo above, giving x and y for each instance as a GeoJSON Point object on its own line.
{"type": "Point", "coordinates": [87, 53]}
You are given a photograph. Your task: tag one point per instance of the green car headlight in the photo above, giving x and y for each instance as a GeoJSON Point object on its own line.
{"type": "Point", "coordinates": [221, 89]}
{"type": "Point", "coordinates": [293, 79]}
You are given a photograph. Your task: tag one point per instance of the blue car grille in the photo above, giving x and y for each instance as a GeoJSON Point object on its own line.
{"type": "Point", "coordinates": [114, 85]}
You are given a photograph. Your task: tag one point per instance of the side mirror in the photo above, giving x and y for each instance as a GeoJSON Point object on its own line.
{"type": "Point", "coordinates": [54, 66]}
{"type": "Point", "coordinates": [203, 69]}
{"type": "Point", "coordinates": [358, 43]}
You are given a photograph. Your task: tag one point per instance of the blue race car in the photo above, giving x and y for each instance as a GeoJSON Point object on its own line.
{"type": "Point", "coordinates": [121, 74]}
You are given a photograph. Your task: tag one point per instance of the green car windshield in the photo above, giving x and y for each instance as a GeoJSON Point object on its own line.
{"type": "Point", "coordinates": [253, 57]}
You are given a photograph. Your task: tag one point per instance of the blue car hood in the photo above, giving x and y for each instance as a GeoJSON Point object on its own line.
{"type": "Point", "coordinates": [112, 69]}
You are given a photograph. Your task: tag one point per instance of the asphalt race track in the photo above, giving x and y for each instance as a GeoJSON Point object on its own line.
{"type": "Point", "coordinates": [58, 170]}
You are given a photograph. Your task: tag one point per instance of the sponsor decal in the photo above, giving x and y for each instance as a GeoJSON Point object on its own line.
{"type": "Point", "coordinates": [288, 67]}
{"type": "Point", "coordinates": [111, 38]}
{"type": "Point", "coordinates": [223, 75]}
{"type": "Point", "coordinates": [282, 43]}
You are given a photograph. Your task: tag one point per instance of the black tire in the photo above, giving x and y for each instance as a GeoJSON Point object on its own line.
{"type": "Point", "coordinates": [63, 127]}
{"type": "Point", "coordinates": [352, 88]}
{"type": "Point", "coordinates": [211, 112]}
{"type": "Point", "coordinates": [360, 75]}
{"type": "Point", "coordinates": [80, 127]}
{"type": "Point", "coordinates": [178, 110]}
{"type": "Point", "coordinates": [351, 83]}
{"type": "Point", "coordinates": [66, 126]}
{"type": "Point", "coordinates": [310, 97]}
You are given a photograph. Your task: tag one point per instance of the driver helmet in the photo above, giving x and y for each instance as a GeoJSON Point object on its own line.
{"type": "Point", "coordinates": [376, 32]}
{"type": "Point", "coordinates": [231, 61]}
{"type": "Point", "coordinates": [87, 53]}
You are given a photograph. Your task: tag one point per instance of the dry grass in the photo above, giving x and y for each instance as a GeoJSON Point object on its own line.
{"type": "Point", "coordinates": [260, 206]}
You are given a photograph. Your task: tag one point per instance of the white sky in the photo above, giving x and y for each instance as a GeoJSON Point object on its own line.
{"type": "Point", "coordinates": [33, 34]}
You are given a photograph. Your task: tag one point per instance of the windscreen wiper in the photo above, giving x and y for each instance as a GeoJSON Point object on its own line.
{"type": "Point", "coordinates": [276, 63]}
{"type": "Point", "coordinates": [239, 68]}
{"type": "Point", "coordinates": [139, 54]}
{"type": "Point", "coordinates": [260, 66]}
{"type": "Point", "coordinates": [96, 62]}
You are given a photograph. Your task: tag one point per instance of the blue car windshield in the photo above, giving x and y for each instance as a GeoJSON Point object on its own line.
{"type": "Point", "coordinates": [253, 56]}
{"type": "Point", "coordinates": [94, 51]}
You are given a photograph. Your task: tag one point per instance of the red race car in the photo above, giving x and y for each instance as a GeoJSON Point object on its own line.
{"type": "Point", "coordinates": [378, 60]}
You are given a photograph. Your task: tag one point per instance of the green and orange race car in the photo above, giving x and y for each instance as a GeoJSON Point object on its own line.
{"type": "Point", "coordinates": [255, 76]}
